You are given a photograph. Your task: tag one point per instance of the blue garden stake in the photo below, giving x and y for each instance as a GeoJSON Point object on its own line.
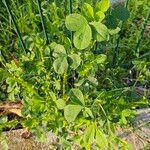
{"type": "Point", "coordinates": [42, 20]}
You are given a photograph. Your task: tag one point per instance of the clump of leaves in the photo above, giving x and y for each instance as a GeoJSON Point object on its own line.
{"type": "Point", "coordinates": [60, 86]}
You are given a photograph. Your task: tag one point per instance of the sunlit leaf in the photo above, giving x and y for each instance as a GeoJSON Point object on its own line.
{"type": "Point", "coordinates": [60, 65]}
{"type": "Point", "coordinates": [99, 16]}
{"type": "Point", "coordinates": [88, 12]}
{"type": "Point", "coordinates": [102, 31]}
{"type": "Point", "coordinates": [89, 134]}
{"type": "Point", "coordinates": [71, 112]}
{"type": "Point", "coordinates": [101, 139]}
{"type": "Point", "coordinates": [75, 61]}
{"type": "Point", "coordinates": [75, 21]}
{"type": "Point", "coordinates": [100, 59]}
{"type": "Point", "coordinates": [82, 37]}
{"type": "Point", "coordinates": [103, 5]}
{"type": "Point", "coordinates": [59, 50]}
{"type": "Point", "coordinates": [60, 103]}
{"type": "Point", "coordinates": [89, 112]}
{"type": "Point", "coordinates": [77, 96]}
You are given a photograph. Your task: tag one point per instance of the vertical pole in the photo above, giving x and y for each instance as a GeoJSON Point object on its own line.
{"type": "Point", "coordinates": [71, 37]}
{"type": "Point", "coordinates": [70, 12]}
{"type": "Point", "coordinates": [116, 51]}
{"type": "Point", "coordinates": [142, 32]}
{"type": "Point", "coordinates": [15, 25]}
{"type": "Point", "coordinates": [42, 20]}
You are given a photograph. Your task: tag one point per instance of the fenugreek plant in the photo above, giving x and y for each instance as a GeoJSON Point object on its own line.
{"type": "Point", "coordinates": [65, 84]}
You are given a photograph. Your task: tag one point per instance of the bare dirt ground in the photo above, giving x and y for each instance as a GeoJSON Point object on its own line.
{"type": "Point", "coordinates": [138, 136]}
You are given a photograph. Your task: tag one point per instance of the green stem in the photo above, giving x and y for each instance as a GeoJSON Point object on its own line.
{"type": "Point", "coordinates": [64, 83]}
{"type": "Point", "coordinates": [15, 25]}
{"type": "Point", "coordinates": [42, 20]}
{"type": "Point", "coordinates": [3, 58]}
{"type": "Point", "coordinates": [142, 32]}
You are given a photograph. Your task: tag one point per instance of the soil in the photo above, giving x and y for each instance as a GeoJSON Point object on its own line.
{"type": "Point", "coordinates": [138, 136]}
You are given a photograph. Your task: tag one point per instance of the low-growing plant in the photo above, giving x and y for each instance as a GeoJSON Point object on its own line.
{"type": "Point", "coordinates": [69, 88]}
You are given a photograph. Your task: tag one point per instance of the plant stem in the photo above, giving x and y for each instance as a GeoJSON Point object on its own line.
{"type": "Point", "coordinates": [15, 25]}
{"type": "Point", "coordinates": [42, 21]}
{"type": "Point", "coordinates": [116, 51]}
{"type": "Point", "coordinates": [3, 58]}
{"type": "Point", "coordinates": [64, 84]}
{"type": "Point", "coordinates": [142, 32]}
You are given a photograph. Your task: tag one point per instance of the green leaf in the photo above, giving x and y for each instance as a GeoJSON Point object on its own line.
{"type": "Point", "coordinates": [60, 103]}
{"type": "Point", "coordinates": [111, 22]}
{"type": "Point", "coordinates": [82, 37]}
{"type": "Point", "coordinates": [93, 80]}
{"type": "Point", "coordinates": [89, 112]}
{"type": "Point", "coordinates": [65, 145]}
{"type": "Point", "coordinates": [89, 134]}
{"type": "Point", "coordinates": [101, 139]}
{"type": "Point", "coordinates": [103, 5]}
{"type": "Point", "coordinates": [121, 13]}
{"type": "Point", "coordinates": [80, 82]}
{"type": "Point", "coordinates": [87, 11]}
{"type": "Point", "coordinates": [123, 120]}
{"type": "Point", "coordinates": [71, 112]}
{"type": "Point", "coordinates": [75, 21]}
{"type": "Point", "coordinates": [11, 83]}
{"type": "Point", "coordinates": [59, 50]}
{"type": "Point", "coordinates": [102, 31]}
{"type": "Point", "coordinates": [60, 65]}
{"type": "Point", "coordinates": [99, 16]}
{"type": "Point", "coordinates": [53, 96]}
{"type": "Point", "coordinates": [75, 61]}
{"type": "Point", "coordinates": [100, 59]}
{"type": "Point", "coordinates": [77, 96]}
{"type": "Point", "coordinates": [126, 112]}
{"type": "Point", "coordinates": [114, 31]}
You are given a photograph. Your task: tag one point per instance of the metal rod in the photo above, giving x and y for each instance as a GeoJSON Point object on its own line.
{"type": "Point", "coordinates": [15, 25]}
{"type": "Point", "coordinates": [142, 31]}
{"type": "Point", "coordinates": [116, 52]}
{"type": "Point", "coordinates": [70, 12]}
{"type": "Point", "coordinates": [42, 20]}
